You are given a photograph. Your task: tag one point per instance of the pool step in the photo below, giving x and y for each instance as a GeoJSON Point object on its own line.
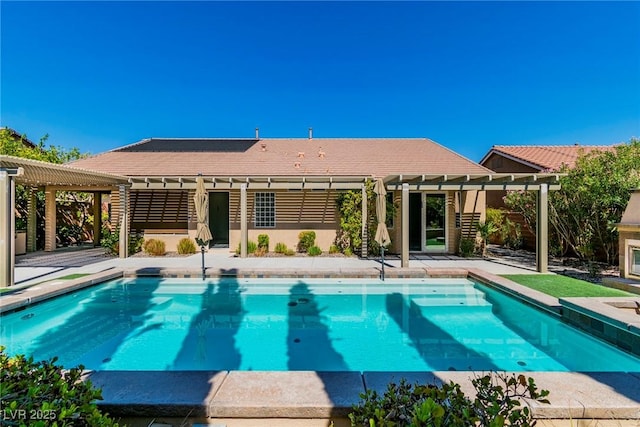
{"type": "Point", "coordinates": [446, 301]}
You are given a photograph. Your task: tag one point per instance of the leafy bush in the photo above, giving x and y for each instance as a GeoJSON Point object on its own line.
{"type": "Point", "coordinates": [486, 229]}
{"type": "Point", "coordinates": [593, 197]}
{"type": "Point", "coordinates": [496, 217]}
{"type": "Point", "coordinates": [497, 403]}
{"type": "Point", "coordinates": [314, 251]}
{"type": "Point", "coordinates": [70, 234]}
{"type": "Point", "coordinates": [154, 247]}
{"type": "Point", "coordinates": [306, 239]}
{"type": "Point", "coordinates": [289, 252]}
{"type": "Point", "coordinates": [349, 204]}
{"type": "Point", "coordinates": [263, 242]}
{"type": "Point", "coordinates": [280, 248]}
{"type": "Point", "coordinates": [251, 247]}
{"type": "Point", "coordinates": [467, 247]}
{"type": "Point", "coordinates": [48, 392]}
{"type": "Point", "coordinates": [511, 235]}
{"type": "Point", "coordinates": [111, 242]}
{"type": "Point", "coordinates": [342, 241]}
{"type": "Point", "coordinates": [333, 249]}
{"type": "Point", "coordinates": [186, 246]}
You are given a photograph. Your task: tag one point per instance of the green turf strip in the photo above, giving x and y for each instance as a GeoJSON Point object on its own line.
{"type": "Point", "coordinates": [562, 286]}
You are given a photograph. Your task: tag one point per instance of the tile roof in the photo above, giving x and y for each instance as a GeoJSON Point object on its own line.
{"type": "Point", "coordinates": [546, 157]}
{"type": "Point", "coordinates": [281, 157]}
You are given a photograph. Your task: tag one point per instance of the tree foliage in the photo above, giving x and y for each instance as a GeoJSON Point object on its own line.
{"type": "Point", "coordinates": [349, 204]}
{"type": "Point", "coordinates": [11, 145]}
{"type": "Point", "coordinates": [594, 195]}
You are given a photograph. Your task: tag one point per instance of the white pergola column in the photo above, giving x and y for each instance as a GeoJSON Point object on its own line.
{"type": "Point", "coordinates": [542, 229]}
{"type": "Point", "coordinates": [404, 224]}
{"type": "Point", "coordinates": [364, 235]}
{"type": "Point", "coordinates": [49, 219]}
{"type": "Point", "coordinates": [244, 232]}
{"type": "Point", "coordinates": [8, 225]}
{"type": "Point", "coordinates": [123, 196]}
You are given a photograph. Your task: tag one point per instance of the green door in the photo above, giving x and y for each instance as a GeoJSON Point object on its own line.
{"type": "Point", "coordinates": [219, 218]}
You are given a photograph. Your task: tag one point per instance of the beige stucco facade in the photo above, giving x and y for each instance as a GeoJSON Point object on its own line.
{"type": "Point", "coordinates": [295, 211]}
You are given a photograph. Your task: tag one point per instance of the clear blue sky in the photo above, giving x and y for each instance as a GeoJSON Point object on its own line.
{"type": "Point", "coordinates": [98, 75]}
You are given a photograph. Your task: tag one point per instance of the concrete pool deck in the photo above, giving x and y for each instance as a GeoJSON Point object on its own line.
{"type": "Point", "coordinates": [227, 397]}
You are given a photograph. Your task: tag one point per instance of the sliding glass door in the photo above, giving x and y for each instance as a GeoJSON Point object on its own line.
{"type": "Point", "coordinates": [427, 222]}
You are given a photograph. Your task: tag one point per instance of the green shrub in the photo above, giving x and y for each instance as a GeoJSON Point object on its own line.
{"type": "Point", "coordinates": [289, 252]}
{"type": "Point", "coordinates": [333, 249]}
{"type": "Point", "coordinates": [186, 246]}
{"type": "Point", "coordinates": [306, 239]}
{"type": "Point", "coordinates": [496, 217]}
{"type": "Point", "coordinates": [263, 242]}
{"type": "Point", "coordinates": [251, 247]}
{"type": "Point", "coordinates": [511, 234]}
{"type": "Point", "coordinates": [111, 242]}
{"type": "Point", "coordinates": [314, 251]}
{"type": "Point", "coordinates": [154, 247]}
{"type": "Point", "coordinates": [348, 252]}
{"type": "Point", "coordinates": [498, 403]}
{"type": "Point", "coordinates": [280, 248]}
{"type": "Point", "coordinates": [485, 229]}
{"type": "Point", "coordinates": [135, 243]}
{"type": "Point", "coordinates": [467, 247]}
{"type": "Point", "coordinates": [58, 396]}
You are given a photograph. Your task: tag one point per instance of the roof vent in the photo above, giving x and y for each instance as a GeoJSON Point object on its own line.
{"type": "Point", "coordinates": [263, 146]}
{"type": "Point", "coordinates": [301, 154]}
{"type": "Point", "coordinates": [296, 165]}
{"type": "Point", "coordinates": [310, 133]}
{"type": "Point", "coordinates": [321, 154]}
{"type": "Point", "coordinates": [257, 133]}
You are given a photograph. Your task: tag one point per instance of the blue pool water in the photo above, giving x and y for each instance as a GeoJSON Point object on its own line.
{"type": "Point", "coordinates": [417, 325]}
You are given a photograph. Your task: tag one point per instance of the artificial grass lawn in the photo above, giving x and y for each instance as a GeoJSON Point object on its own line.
{"type": "Point", "coordinates": [67, 277]}
{"type": "Point", "coordinates": [72, 276]}
{"type": "Point", "coordinates": [562, 286]}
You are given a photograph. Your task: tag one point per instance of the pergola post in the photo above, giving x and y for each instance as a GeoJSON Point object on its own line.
{"type": "Point", "coordinates": [7, 225]}
{"type": "Point", "coordinates": [364, 235]}
{"type": "Point", "coordinates": [123, 196]}
{"type": "Point", "coordinates": [405, 226]}
{"type": "Point", "coordinates": [32, 220]}
{"type": "Point", "coordinates": [97, 218]}
{"type": "Point", "coordinates": [49, 219]}
{"type": "Point", "coordinates": [542, 229]}
{"type": "Point", "coordinates": [244, 232]}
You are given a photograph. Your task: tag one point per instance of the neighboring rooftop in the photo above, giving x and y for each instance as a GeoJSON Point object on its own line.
{"type": "Point", "coordinates": [281, 157]}
{"type": "Point", "coordinates": [544, 157]}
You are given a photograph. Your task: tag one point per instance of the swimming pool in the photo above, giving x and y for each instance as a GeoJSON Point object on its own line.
{"type": "Point", "coordinates": [324, 325]}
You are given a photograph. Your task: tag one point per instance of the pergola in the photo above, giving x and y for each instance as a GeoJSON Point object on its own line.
{"type": "Point", "coordinates": [51, 177]}
{"type": "Point", "coordinates": [54, 177]}
{"type": "Point", "coordinates": [542, 183]}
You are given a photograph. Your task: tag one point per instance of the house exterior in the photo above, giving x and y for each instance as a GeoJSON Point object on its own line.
{"type": "Point", "coordinates": [290, 185]}
{"type": "Point", "coordinates": [282, 186]}
{"type": "Point", "coordinates": [273, 186]}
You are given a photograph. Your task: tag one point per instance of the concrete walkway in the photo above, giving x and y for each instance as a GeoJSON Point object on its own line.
{"type": "Point", "coordinates": [38, 267]}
